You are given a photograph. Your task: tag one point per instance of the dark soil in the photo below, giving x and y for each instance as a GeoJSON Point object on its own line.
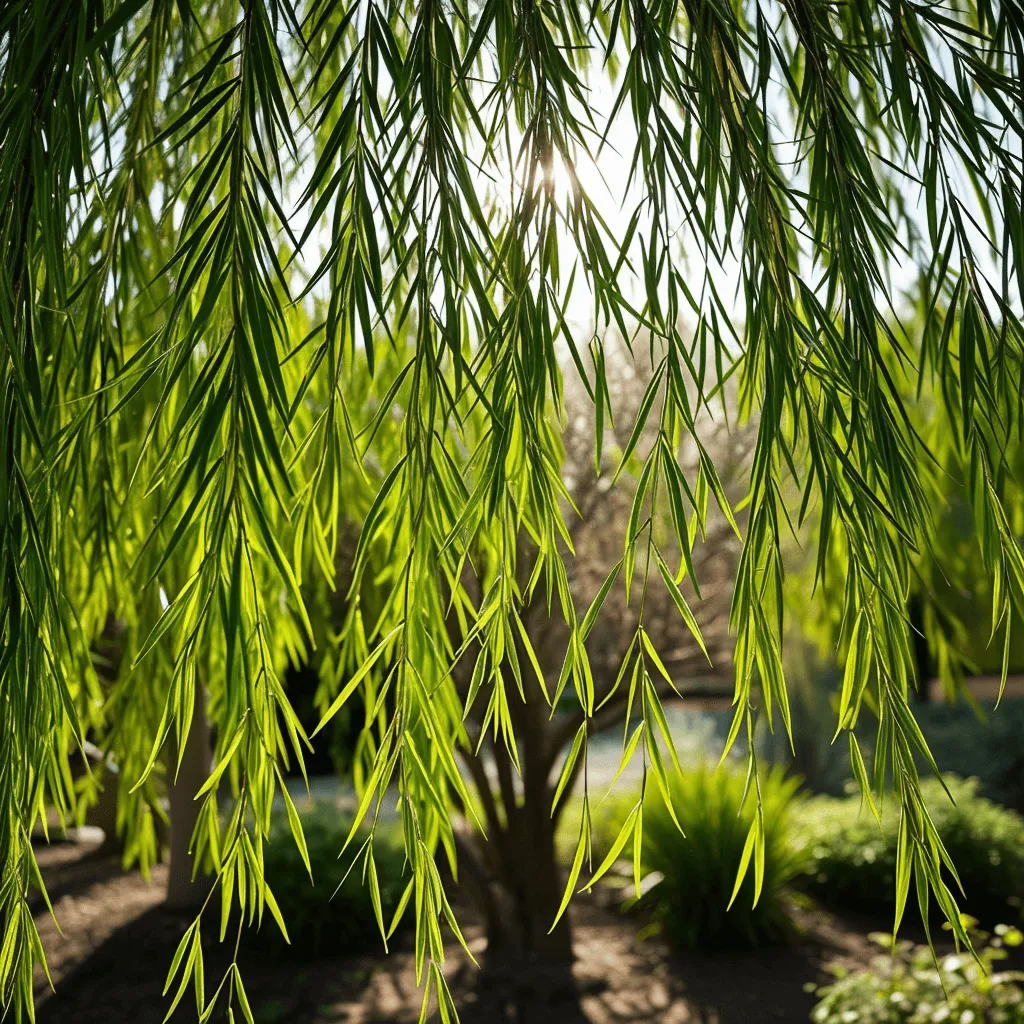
{"type": "Point", "coordinates": [110, 960]}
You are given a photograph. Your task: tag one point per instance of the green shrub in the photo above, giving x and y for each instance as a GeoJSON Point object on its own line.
{"type": "Point", "coordinates": [850, 862]}
{"type": "Point", "coordinates": [698, 872]}
{"type": "Point", "coordinates": [323, 919]}
{"type": "Point", "coordinates": [907, 989]}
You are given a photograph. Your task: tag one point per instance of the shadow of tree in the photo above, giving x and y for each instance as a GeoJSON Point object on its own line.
{"type": "Point", "coordinates": [119, 940]}
{"type": "Point", "coordinates": [759, 986]}
{"type": "Point", "coordinates": [122, 978]}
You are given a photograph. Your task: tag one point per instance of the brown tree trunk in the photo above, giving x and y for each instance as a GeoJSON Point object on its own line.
{"type": "Point", "coordinates": [527, 967]}
{"type": "Point", "coordinates": [534, 880]}
{"type": "Point", "coordinates": [527, 972]}
{"type": "Point", "coordinates": [185, 892]}
{"type": "Point", "coordinates": [529, 891]}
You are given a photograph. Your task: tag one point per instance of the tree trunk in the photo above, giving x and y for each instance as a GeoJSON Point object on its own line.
{"type": "Point", "coordinates": [528, 897]}
{"type": "Point", "coordinates": [527, 968]}
{"type": "Point", "coordinates": [183, 891]}
{"type": "Point", "coordinates": [527, 972]}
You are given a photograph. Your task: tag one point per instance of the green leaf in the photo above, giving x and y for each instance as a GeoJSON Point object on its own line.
{"type": "Point", "coordinates": [578, 745]}
{"type": "Point", "coordinates": [749, 850]}
{"type": "Point", "coordinates": [295, 824]}
{"type": "Point", "coordinates": [357, 677]}
{"type": "Point", "coordinates": [625, 832]}
{"type": "Point", "coordinates": [582, 846]}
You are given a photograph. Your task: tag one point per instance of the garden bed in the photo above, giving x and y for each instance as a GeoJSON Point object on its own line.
{"type": "Point", "coordinates": [111, 960]}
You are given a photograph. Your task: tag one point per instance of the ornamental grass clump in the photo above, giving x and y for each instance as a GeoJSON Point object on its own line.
{"type": "Point", "coordinates": [690, 881]}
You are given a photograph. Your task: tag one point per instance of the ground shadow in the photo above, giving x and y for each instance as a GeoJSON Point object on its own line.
{"type": "Point", "coordinates": [755, 987]}
{"type": "Point", "coordinates": [524, 994]}
{"type": "Point", "coordinates": [122, 978]}
{"type": "Point", "coordinates": [71, 868]}
{"type": "Point", "coordinates": [118, 940]}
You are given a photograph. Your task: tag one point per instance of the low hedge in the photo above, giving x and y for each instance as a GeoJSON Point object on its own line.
{"type": "Point", "coordinates": [850, 862]}
{"type": "Point", "coordinates": [332, 915]}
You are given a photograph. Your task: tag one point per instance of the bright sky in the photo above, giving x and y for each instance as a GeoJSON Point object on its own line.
{"type": "Point", "coordinates": [605, 181]}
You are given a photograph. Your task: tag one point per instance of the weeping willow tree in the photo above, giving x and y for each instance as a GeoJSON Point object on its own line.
{"type": "Point", "coordinates": [264, 263]}
{"type": "Point", "coordinates": [950, 587]}
{"type": "Point", "coordinates": [522, 789]}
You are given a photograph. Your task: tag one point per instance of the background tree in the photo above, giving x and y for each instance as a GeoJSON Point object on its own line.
{"type": "Point", "coordinates": [521, 788]}
{"type": "Point", "coordinates": [236, 236]}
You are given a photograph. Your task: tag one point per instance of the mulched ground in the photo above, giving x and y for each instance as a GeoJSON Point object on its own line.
{"type": "Point", "coordinates": [110, 959]}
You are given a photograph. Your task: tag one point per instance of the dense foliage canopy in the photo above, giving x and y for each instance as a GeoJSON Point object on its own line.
{"type": "Point", "coordinates": [267, 263]}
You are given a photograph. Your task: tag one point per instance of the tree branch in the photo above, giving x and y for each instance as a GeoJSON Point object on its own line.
{"type": "Point", "coordinates": [610, 714]}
